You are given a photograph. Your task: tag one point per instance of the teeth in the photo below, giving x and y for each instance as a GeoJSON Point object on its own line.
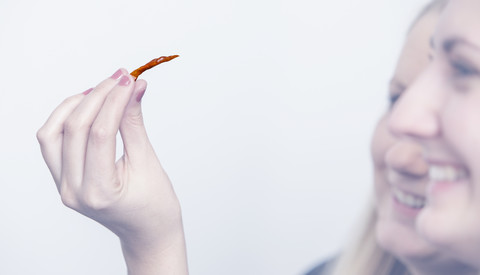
{"type": "Point", "coordinates": [409, 200]}
{"type": "Point", "coordinates": [445, 173]}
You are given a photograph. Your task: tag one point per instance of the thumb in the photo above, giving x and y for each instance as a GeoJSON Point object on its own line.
{"type": "Point", "coordinates": [132, 128]}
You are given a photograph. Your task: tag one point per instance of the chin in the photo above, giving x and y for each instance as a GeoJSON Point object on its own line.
{"type": "Point", "coordinates": [444, 230]}
{"type": "Point", "coordinates": [456, 235]}
{"type": "Point", "coordinates": [402, 241]}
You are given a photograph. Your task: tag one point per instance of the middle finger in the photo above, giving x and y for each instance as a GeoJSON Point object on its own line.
{"type": "Point", "coordinates": [77, 128]}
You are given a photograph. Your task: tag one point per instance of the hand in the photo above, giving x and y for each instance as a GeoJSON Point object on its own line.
{"type": "Point", "coordinates": [133, 196]}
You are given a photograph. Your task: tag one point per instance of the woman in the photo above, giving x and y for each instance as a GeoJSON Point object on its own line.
{"type": "Point", "coordinates": [400, 180]}
{"type": "Point", "coordinates": [135, 200]}
{"type": "Point", "coordinates": [441, 112]}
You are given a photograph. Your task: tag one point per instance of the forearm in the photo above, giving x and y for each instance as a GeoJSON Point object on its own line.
{"type": "Point", "coordinates": [157, 259]}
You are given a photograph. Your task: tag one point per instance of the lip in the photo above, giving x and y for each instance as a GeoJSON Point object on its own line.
{"type": "Point", "coordinates": [412, 184]}
{"type": "Point", "coordinates": [443, 162]}
{"type": "Point", "coordinates": [436, 187]}
{"type": "Point", "coordinates": [408, 183]}
{"type": "Point", "coordinates": [401, 208]}
{"type": "Point", "coordinates": [404, 210]}
{"type": "Point", "coordinates": [395, 175]}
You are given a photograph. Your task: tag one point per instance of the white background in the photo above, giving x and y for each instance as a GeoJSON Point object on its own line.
{"type": "Point", "coordinates": [263, 123]}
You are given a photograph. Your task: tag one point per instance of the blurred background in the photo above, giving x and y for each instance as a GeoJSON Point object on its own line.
{"type": "Point", "coordinates": [263, 123]}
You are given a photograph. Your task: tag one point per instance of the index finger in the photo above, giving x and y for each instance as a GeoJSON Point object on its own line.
{"type": "Point", "coordinates": [101, 147]}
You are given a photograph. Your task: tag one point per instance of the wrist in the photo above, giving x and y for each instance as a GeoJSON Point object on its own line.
{"type": "Point", "coordinates": [166, 255]}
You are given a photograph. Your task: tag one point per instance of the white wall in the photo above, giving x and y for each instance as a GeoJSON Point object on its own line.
{"type": "Point", "coordinates": [263, 123]}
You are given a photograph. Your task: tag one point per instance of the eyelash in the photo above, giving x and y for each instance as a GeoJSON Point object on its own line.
{"type": "Point", "coordinates": [462, 70]}
{"type": "Point", "coordinates": [392, 99]}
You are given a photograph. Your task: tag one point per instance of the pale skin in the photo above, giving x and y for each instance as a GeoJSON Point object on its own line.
{"type": "Point", "coordinates": [440, 111]}
{"type": "Point", "coordinates": [400, 167]}
{"type": "Point", "coordinates": [133, 197]}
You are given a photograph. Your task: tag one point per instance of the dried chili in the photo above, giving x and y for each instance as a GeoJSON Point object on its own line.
{"type": "Point", "coordinates": [151, 64]}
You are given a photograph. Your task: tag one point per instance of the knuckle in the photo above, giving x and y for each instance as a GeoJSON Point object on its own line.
{"type": "Point", "coordinates": [100, 134]}
{"type": "Point", "coordinates": [100, 196]}
{"type": "Point", "coordinates": [116, 98]}
{"type": "Point", "coordinates": [133, 119]}
{"type": "Point", "coordinates": [93, 202]}
{"type": "Point", "coordinates": [104, 85]}
{"type": "Point", "coordinates": [43, 135]}
{"type": "Point", "coordinates": [73, 125]}
{"type": "Point", "coordinates": [70, 100]}
{"type": "Point", "coordinates": [69, 198]}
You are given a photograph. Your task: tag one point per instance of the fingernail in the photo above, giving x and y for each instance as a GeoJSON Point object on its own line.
{"type": "Point", "coordinates": [124, 81]}
{"type": "Point", "coordinates": [140, 95]}
{"type": "Point", "coordinates": [117, 74]}
{"type": "Point", "coordinates": [87, 91]}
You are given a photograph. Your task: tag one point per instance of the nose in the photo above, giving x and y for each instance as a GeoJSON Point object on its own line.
{"type": "Point", "coordinates": [406, 157]}
{"type": "Point", "coordinates": [416, 112]}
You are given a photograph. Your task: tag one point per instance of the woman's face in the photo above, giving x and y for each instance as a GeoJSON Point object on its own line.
{"type": "Point", "coordinates": [441, 111]}
{"type": "Point", "coordinates": [400, 170]}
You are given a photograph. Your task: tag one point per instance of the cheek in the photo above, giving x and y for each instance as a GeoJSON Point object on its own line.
{"type": "Point", "coordinates": [375, 148]}
{"type": "Point", "coordinates": [382, 140]}
{"type": "Point", "coordinates": [382, 190]}
{"type": "Point", "coordinates": [448, 225]}
{"type": "Point", "coordinates": [461, 129]}
{"type": "Point", "coordinates": [433, 229]}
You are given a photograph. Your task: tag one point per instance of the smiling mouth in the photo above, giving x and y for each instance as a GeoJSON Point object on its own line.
{"type": "Point", "coordinates": [446, 173]}
{"type": "Point", "coordinates": [408, 199]}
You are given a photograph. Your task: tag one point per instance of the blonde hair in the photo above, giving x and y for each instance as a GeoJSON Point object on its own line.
{"type": "Point", "coordinates": [434, 5]}
{"type": "Point", "coordinates": [364, 256]}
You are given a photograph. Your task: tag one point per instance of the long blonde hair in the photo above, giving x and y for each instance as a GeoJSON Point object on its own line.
{"type": "Point", "coordinates": [364, 256]}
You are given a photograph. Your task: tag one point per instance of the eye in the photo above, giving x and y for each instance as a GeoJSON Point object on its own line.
{"type": "Point", "coordinates": [460, 69]}
{"type": "Point", "coordinates": [392, 98]}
